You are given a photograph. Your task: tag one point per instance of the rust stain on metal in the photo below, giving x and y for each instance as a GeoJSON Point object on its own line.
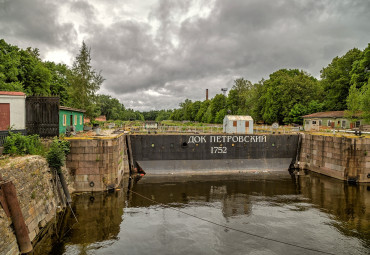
{"type": "Point", "coordinates": [21, 230]}
{"type": "Point", "coordinates": [3, 203]}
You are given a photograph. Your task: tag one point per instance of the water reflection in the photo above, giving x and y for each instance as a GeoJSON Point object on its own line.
{"type": "Point", "coordinates": [312, 210]}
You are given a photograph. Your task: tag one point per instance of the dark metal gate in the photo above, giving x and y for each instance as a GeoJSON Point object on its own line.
{"type": "Point", "coordinates": [42, 116]}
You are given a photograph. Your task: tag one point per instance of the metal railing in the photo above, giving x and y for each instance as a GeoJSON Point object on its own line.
{"type": "Point", "coordinates": [271, 130]}
{"type": "Point", "coordinates": [5, 134]}
{"type": "Point", "coordinates": [212, 129]}
{"type": "Point", "coordinates": [178, 129]}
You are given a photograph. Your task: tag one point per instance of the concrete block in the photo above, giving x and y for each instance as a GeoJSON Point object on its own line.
{"type": "Point", "coordinates": [94, 177]}
{"type": "Point", "coordinates": [76, 157]}
{"type": "Point", "coordinates": [87, 170]}
{"type": "Point", "coordinates": [81, 177]}
{"type": "Point", "coordinates": [367, 165]}
{"type": "Point", "coordinates": [72, 164]}
{"type": "Point", "coordinates": [92, 143]}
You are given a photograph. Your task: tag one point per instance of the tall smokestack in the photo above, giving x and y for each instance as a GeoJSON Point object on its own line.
{"type": "Point", "coordinates": [206, 94]}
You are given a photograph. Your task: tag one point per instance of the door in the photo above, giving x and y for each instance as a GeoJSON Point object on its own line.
{"type": "Point", "coordinates": [4, 116]}
{"type": "Point", "coordinates": [246, 126]}
{"type": "Point", "coordinates": [71, 120]}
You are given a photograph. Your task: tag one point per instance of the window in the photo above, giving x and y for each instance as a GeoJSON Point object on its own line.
{"type": "Point", "coordinates": [64, 120]}
{"type": "Point", "coordinates": [314, 122]}
{"type": "Point", "coordinates": [320, 122]}
{"type": "Point", "coordinates": [329, 123]}
{"type": "Point", "coordinates": [234, 123]}
{"type": "Point", "coordinates": [75, 122]}
{"type": "Point", "coordinates": [80, 119]}
{"type": "Point", "coordinates": [357, 124]}
{"type": "Point", "coordinates": [307, 122]}
{"type": "Point", "coordinates": [343, 123]}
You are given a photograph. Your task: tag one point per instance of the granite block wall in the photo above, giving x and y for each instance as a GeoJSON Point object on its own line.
{"type": "Point", "coordinates": [97, 164]}
{"type": "Point", "coordinates": [339, 157]}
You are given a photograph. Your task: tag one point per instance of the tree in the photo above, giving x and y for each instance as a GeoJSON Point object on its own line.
{"type": "Point", "coordinates": [283, 90]}
{"type": "Point", "coordinates": [85, 82]}
{"type": "Point", "coordinates": [360, 73]}
{"type": "Point", "coordinates": [336, 78]}
{"type": "Point", "coordinates": [195, 109]}
{"type": "Point", "coordinates": [163, 115]}
{"type": "Point", "coordinates": [187, 109]}
{"type": "Point", "coordinates": [301, 109]}
{"type": "Point", "coordinates": [59, 81]}
{"type": "Point", "coordinates": [202, 110]}
{"type": "Point", "coordinates": [217, 104]}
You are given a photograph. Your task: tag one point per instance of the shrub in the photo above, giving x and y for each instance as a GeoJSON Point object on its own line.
{"type": "Point", "coordinates": [18, 144]}
{"type": "Point", "coordinates": [56, 155]}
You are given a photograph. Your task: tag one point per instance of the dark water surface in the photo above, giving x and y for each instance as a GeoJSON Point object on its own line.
{"type": "Point", "coordinates": [313, 211]}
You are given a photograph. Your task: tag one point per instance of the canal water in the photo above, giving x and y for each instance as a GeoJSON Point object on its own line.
{"type": "Point", "coordinates": [253, 214]}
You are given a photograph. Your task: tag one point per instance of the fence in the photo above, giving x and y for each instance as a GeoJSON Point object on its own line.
{"type": "Point", "coordinates": [42, 116]}
{"type": "Point", "coordinates": [212, 129]}
{"type": "Point", "coordinates": [4, 134]}
{"type": "Point", "coordinates": [178, 129]}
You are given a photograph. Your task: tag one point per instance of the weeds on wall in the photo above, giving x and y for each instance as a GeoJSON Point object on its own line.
{"type": "Point", "coordinates": [18, 144]}
{"type": "Point", "coordinates": [56, 155]}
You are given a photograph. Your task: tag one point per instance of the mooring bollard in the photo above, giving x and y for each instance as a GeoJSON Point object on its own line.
{"type": "Point", "coordinates": [21, 231]}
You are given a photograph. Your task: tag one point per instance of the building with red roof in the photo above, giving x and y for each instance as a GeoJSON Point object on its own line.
{"type": "Point", "coordinates": [331, 119]}
{"type": "Point", "coordinates": [12, 110]}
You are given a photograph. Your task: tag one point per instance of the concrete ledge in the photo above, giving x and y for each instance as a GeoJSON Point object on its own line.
{"type": "Point", "coordinates": [155, 167]}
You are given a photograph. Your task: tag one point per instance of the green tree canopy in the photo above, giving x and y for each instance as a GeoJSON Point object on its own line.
{"type": "Point", "coordinates": [85, 82]}
{"type": "Point", "coordinates": [283, 90]}
{"type": "Point", "coordinates": [336, 78]}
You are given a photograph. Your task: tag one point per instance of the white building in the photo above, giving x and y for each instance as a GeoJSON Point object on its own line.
{"type": "Point", "coordinates": [12, 110]}
{"type": "Point", "coordinates": [234, 124]}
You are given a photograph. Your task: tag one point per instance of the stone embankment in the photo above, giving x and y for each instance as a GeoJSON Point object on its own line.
{"type": "Point", "coordinates": [343, 158]}
{"type": "Point", "coordinates": [97, 163]}
{"type": "Point", "coordinates": [94, 164]}
{"type": "Point", "coordinates": [37, 195]}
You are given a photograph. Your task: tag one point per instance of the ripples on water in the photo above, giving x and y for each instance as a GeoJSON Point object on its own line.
{"type": "Point", "coordinates": [314, 211]}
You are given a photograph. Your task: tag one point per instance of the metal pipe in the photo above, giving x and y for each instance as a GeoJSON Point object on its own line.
{"type": "Point", "coordinates": [20, 228]}
{"type": "Point", "coordinates": [65, 187]}
{"type": "Point", "coordinates": [352, 131]}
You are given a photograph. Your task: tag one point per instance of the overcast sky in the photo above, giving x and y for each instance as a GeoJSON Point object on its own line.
{"type": "Point", "coordinates": [154, 54]}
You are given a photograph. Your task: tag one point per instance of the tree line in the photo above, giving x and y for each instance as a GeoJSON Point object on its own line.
{"type": "Point", "coordinates": [76, 86]}
{"type": "Point", "coordinates": [288, 94]}
{"type": "Point", "coordinates": [284, 97]}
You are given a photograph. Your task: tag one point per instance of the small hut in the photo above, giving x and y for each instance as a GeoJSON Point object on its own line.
{"type": "Point", "coordinates": [70, 117]}
{"type": "Point", "coordinates": [235, 124]}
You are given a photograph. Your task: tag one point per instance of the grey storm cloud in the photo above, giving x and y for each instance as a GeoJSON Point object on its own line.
{"type": "Point", "coordinates": [34, 24]}
{"type": "Point", "coordinates": [176, 49]}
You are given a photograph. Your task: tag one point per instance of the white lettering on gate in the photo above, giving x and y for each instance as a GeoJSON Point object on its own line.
{"type": "Point", "coordinates": [228, 139]}
{"type": "Point", "coordinates": [197, 139]}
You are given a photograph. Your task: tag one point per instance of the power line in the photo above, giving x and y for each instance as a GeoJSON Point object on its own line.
{"type": "Point", "coordinates": [237, 230]}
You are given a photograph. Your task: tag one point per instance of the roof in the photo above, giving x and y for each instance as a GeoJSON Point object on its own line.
{"type": "Point", "coordinates": [12, 93]}
{"type": "Point", "coordinates": [332, 114]}
{"type": "Point", "coordinates": [70, 109]}
{"type": "Point", "coordinates": [238, 117]}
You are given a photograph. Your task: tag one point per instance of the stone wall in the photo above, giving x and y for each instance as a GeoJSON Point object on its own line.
{"type": "Point", "coordinates": [36, 194]}
{"type": "Point", "coordinates": [97, 163]}
{"type": "Point", "coordinates": [339, 157]}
